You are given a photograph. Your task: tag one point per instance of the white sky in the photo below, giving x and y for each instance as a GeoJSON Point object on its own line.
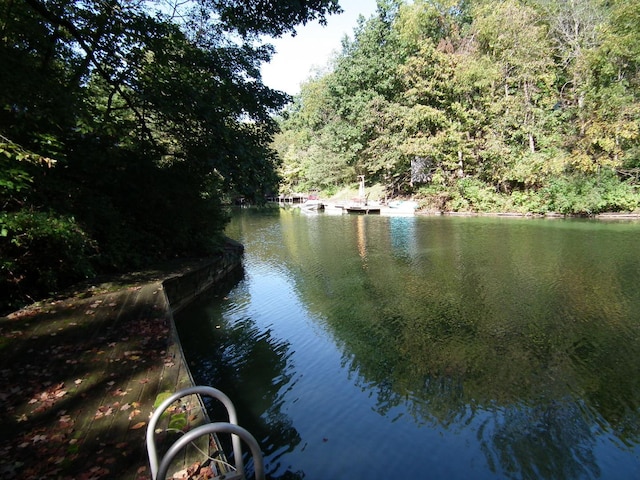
{"type": "Point", "coordinates": [297, 57]}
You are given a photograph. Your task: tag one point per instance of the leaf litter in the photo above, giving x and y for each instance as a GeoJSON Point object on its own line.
{"type": "Point", "coordinates": [48, 382]}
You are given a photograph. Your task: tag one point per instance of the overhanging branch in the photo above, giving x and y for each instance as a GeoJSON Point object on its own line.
{"type": "Point", "coordinates": [66, 24]}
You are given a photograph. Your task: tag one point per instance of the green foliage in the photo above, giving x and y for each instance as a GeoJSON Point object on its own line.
{"type": "Point", "coordinates": [14, 179]}
{"type": "Point", "coordinates": [500, 101]}
{"type": "Point", "coordinates": [473, 195]}
{"type": "Point", "coordinates": [151, 117]}
{"type": "Point", "coordinates": [138, 212]}
{"type": "Point", "coordinates": [587, 195]}
{"type": "Point", "coordinates": [16, 172]}
{"type": "Point", "coordinates": [39, 253]}
{"type": "Point", "coordinates": [273, 18]}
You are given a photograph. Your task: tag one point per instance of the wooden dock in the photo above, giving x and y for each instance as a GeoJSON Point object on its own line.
{"type": "Point", "coordinates": [363, 209]}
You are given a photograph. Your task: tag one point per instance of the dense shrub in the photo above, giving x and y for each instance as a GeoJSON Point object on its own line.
{"type": "Point", "coordinates": [39, 253]}
{"type": "Point", "coordinates": [473, 194]}
{"type": "Point", "coordinates": [579, 194]}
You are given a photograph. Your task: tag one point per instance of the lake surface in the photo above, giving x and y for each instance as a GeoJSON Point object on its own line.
{"type": "Point", "coordinates": [374, 347]}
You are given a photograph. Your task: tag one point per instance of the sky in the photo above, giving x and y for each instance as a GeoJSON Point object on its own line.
{"type": "Point", "coordinates": [296, 58]}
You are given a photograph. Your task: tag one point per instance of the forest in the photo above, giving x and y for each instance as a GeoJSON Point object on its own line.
{"type": "Point", "coordinates": [125, 125]}
{"type": "Point", "coordinates": [527, 106]}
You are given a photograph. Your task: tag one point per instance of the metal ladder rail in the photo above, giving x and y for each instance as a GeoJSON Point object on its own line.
{"type": "Point", "coordinates": [233, 420]}
{"type": "Point", "coordinates": [222, 427]}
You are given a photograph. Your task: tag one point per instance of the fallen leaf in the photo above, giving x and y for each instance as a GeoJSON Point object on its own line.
{"type": "Point", "coordinates": [38, 438]}
{"type": "Point", "coordinates": [138, 425]}
{"type": "Point", "coordinates": [180, 475]}
{"type": "Point", "coordinates": [103, 411]}
{"type": "Point", "coordinates": [119, 393]}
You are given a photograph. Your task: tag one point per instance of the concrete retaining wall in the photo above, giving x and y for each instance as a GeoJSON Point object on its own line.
{"type": "Point", "coordinates": [186, 286]}
{"type": "Point", "coordinates": [180, 289]}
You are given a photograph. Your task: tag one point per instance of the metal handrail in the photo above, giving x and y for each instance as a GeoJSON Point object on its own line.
{"type": "Point", "coordinates": [222, 427]}
{"type": "Point", "coordinates": [237, 434]}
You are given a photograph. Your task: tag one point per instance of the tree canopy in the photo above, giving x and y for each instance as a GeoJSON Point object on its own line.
{"type": "Point", "coordinates": [530, 106]}
{"type": "Point", "coordinates": [125, 124]}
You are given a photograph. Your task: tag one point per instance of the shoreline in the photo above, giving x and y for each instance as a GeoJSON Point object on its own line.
{"type": "Point", "coordinates": [336, 207]}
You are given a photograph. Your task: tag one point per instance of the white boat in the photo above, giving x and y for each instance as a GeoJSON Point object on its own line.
{"type": "Point", "coordinates": [312, 204]}
{"type": "Point", "coordinates": [407, 205]}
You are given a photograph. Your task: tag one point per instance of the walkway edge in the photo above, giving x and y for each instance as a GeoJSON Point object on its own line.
{"type": "Point", "coordinates": [82, 373]}
{"type": "Point", "coordinates": [179, 291]}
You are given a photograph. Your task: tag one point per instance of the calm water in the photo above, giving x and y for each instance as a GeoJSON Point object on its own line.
{"type": "Point", "coordinates": [369, 347]}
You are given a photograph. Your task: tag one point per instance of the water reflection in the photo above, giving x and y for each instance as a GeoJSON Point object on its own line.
{"type": "Point", "coordinates": [402, 234]}
{"type": "Point", "coordinates": [362, 241]}
{"type": "Point", "coordinates": [547, 440]}
{"type": "Point", "coordinates": [521, 337]}
{"type": "Point", "coordinates": [227, 350]}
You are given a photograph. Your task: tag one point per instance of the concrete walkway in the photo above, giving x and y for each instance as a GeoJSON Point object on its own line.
{"type": "Point", "coordinates": [79, 379]}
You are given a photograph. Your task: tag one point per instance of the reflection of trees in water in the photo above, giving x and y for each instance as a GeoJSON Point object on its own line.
{"type": "Point", "coordinates": [438, 401]}
{"type": "Point", "coordinates": [550, 440]}
{"type": "Point", "coordinates": [255, 371]}
{"type": "Point", "coordinates": [453, 361]}
{"type": "Point", "coordinates": [459, 322]}
{"type": "Point", "coordinates": [545, 440]}
{"type": "Point", "coordinates": [251, 367]}
{"type": "Point", "coordinates": [538, 430]}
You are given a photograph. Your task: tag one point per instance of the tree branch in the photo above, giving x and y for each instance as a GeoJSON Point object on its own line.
{"type": "Point", "coordinates": [60, 22]}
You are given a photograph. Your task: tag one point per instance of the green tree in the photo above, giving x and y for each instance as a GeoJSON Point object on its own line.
{"type": "Point", "coordinates": [515, 39]}
{"type": "Point", "coordinates": [152, 112]}
{"type": "Point", "coordinates": [610, 138]}
{"type": "Point", "coordinates": [439, 103]}
{"type": "Point", "coordinates": [497, 102]}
